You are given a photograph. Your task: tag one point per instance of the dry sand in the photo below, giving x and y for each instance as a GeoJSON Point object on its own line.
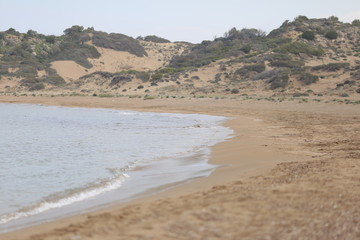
{"type": "Point", "coordinates": [290, 172]}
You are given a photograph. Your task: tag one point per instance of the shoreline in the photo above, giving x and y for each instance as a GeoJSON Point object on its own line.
{"type": "Point", "coordinates": [184, 162]}
{"type": "Point", "coordinates": [261, 142]}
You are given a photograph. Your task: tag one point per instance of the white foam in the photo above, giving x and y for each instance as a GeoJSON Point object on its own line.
{"type": "Point", "coordinates": [77, 197]}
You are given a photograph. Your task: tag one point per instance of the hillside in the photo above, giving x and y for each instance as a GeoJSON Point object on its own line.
{"type": "Point", "coordinates": [304, 57]}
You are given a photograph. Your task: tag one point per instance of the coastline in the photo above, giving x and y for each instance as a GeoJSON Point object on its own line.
{"type": "Point", "coordinates": [267, 137]}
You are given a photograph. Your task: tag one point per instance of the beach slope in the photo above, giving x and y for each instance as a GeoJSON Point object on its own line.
{"type": "Point", "coordinates": [291, 171]}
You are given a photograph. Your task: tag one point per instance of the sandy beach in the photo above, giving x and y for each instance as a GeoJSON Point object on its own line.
{"type": "Point", "coordinates": [291, 171]}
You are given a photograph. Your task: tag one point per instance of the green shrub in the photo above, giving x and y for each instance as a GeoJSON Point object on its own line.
{"type": "Point", "coordinates": [331, 34]}
{"type": "Point", "coordinates": [280, 80]}
{"type": "Point", "coordinates": [55, 80]}
{"type": "Point", "coordinates": [119, 78]}
{"type": "Point", "coordinates": [156, 76]}
{"type": "Point", "coordinates": [308, 35]}
{"type": "Point", "coordinates": [106, 95]}
{"type": "Point", "coordinates": [278, 57]}
{"type": "Point", "coordinates": [153, 38]}
{"type": "Point", "coordinates": [26, 71]}
{"type": "Point", "coordinates": [298, 94]}
{"type": "Point", "coordinates": [119, 42]}
{"type": "Point", "coordinates": [144, 76]}
{"type": "Point", "coordinates": [246, 48]}
{"type": "Point", "coordinates": [79, 53]}
{"type": "Point", "coordinates": [266, 74]}
{"type": "Point", "coordinates": [37, 86]}
{"type": "Point", "coordinates": [235, 91]}
{"type": "Point", "coordinates": [331, 67]}
{"type": "Point", "coordinates": [301, 18]}
{"type": "Point", "coordinates": [293, 64]}
{"type": "Point", "coordinates": [12, 31]}
{"type": "Point", "coordinates": [148, 97]}
{"type": "Point", "coordinates": [308, 78]}
{"type": "Point", "coordinates": [50, 39]}
{"type": "Point", "coordinates": [298, 47]}
{"type": "Point", "coordinates": [4, 69]}
{"type": "Point", "coordinates": [171, 70]}
{"type": "Point", "coordinates": [356, 23]}
{"type": "Point", "coordinates": [259, 67]}
{"type": "Point", "coordinates": [74, 30]}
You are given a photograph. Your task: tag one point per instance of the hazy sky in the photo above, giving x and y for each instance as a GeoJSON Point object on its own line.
{"type": "Point", "coordinates": [186, 20]}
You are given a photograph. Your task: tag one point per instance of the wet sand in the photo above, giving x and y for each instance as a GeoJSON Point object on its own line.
{"type": "Point", "coordinates": [291, 171]}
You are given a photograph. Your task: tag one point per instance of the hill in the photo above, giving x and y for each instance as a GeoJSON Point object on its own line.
{"type": "Point", "coordinates": [303, 57]}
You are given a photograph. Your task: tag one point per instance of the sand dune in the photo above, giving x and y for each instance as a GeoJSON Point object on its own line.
{"type": "Point", "coordinates": [159, 54]}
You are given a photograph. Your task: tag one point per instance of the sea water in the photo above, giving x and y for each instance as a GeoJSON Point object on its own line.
{"type": "Point", "coordinates": [57, 161]}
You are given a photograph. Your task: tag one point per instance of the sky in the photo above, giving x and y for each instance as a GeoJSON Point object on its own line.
{"type": "Point", "coordinates": [186, 20]}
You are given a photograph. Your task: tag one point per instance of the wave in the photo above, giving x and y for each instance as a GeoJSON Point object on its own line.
{"type": "Point", "coordinates": [57, 201]}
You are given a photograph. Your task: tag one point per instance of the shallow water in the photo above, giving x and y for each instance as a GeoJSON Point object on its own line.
{"type": "Point", "coordinates": [57, 161]}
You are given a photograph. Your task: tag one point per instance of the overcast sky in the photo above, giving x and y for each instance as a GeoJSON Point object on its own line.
{"type": "Point", "coordinates": [186, 20]}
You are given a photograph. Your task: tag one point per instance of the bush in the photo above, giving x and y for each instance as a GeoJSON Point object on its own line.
{"type": "Point", "coordinates": [55, 80]}
{"type": "Point", "coordinates": [331, 67]}
{"type": "Point", "coordinates": [308, 78]}
{"type": "Point", "coordinates": [356, 23]}
{"type": "Point", "coordinates": [297, 94]}
{"type": "Point", "coordinates": [119, 42]}
{"type": "Point", "coordinates": [74, 30]}
{"type": "Point", "coordinates": [298, 47]}
{"type": "Point", "coordinates": [120, 78]}
{"type": "Point", "coordinates": [79, 53]}
{"type": "Point", "coordinates": [332, 34]}
{"type": "Point", "coordinates": [259, 67]}
{"type": "Point", "coordinates": [37, 86]}
{"type": "Point", "coordinates": [12, 31]}
{"type": "Point", "coordinates": [144, 76]}
{"type": "Point", "coordinates": [280, 80]}
{"type": "Point", "coordinates": [308, 35]}
{"type": "Point", "coordinates": [266, 74]}
{"type": "Point", "coordinates": [301, 18]}
{"type": "Point", "coordinates": [155, 39]}
{"type": "Point", "coordinates": [235, 91]}
{"type": "Point", "coordinates": [293, 64]}
{"type": "Point", "coordinates": [50, 39]}
{"type": "Point", "coordinates": [156, 76]}
{"type": "Point", "coordinates": [280, 57]}
{"type": "Point", "coordinates": [246, 48]}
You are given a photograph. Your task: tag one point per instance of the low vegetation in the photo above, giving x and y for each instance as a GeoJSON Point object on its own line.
{"type": "Point", "coordinates": [119, 42]}
{"type": "Point", "coordinates": [153, 38]}
{"type": "Point", "coordinates": [283, 61]}
{"type": "Point", "coordinates": [331, 67]}
{"type": "Point", "coordinates": [308, 78]}
{"type": "Point", "coordinates": [299, 47]}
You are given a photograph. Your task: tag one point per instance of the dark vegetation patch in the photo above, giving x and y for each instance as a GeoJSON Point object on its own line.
{"type": "Point", "coordinates": [233, 44]}
{"type": "Point", "coordinates": [153, 38]}
{"type": "Point", "coordinates": [308, 78]}
{"type": "Point", "coordinates": [299, 47]}
{"type": "Point", "coordinates": [118, 42]}
{"type": "Point", "coordinates": [280, 80]}
{"type": "Point", "coordinates": [308, 35]}
{"type": "Point", "coordinates": [331, 67]}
